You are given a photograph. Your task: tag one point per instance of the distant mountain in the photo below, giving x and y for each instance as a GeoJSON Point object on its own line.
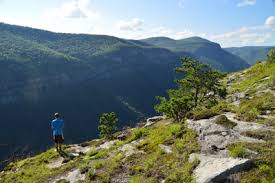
{"type": "Point", "coordinates": [251, 54]}
{"type": "Point", "coordinates": [204, 50]}
{"type": "Point", "coordinates": [81, 76]}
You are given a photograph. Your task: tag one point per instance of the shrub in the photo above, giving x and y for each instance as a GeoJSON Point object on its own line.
{"type": "Point", "coordinates": [91, 174]}
{"type": "Point", "coordinates": [224, 121]}
{"type": "Point", "coordinates": [238, 151]}
{"type": "Point", "coordinates": [107, 124]}
{"type": "Point", "coordinates": [204, 113]}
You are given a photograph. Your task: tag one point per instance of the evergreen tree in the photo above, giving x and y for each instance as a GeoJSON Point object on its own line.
{"type": "Point", "coordinates": [107, 124]}
{"type": "Point", "coordinates": [200, 85]}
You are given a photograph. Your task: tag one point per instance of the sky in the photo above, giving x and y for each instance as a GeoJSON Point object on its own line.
{"type": "Point", "coordinates": [228, 22]}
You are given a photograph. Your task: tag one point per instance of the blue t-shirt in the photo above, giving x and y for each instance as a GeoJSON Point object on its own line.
{"type": "Point", "coordinates": [57, 126]}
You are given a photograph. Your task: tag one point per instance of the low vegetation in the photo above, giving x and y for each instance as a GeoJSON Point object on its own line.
{"type": "Point", "coordinates": [263, 155]}
{"type": "Point", "coordinates": [250, 109]}
{"type": "Point", "coordinates": [224, 121]}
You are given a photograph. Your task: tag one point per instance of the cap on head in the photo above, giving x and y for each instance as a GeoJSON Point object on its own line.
{"type": "Point", "coordinates": [56, 115]}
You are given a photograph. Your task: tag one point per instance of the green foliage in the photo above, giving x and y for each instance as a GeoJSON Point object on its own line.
{"type": "Point", "coordinates": [254, 77]}
{"type": "Point", "coordinates": [200, 86]}
{"type": "Point", "coordinates": [155, 162]}
{"type": "Point", "coordinates": [271, 55]}
{"type": "Point", "coordinates": [138, 133]}
{"type": "Point", "coordinates": [238, 151]}
{"type": "Point", "coordinates": [91, 174]}
{"type": "Point", "coordinates": [251, 54]}
{"type": "Point", "coordinates": [201, 82]}
{"type": "Point", "coordinates": [264, 158]}
{"type": "Point", "coordinates": [249, 109]}
{"type": "Point", "coordinates": [138, 179]}
{"type": "Point", "coordinates": [224, 121]}
{"type": "Point", "coordinates": [107, 124]}
{"type": "Point", "coordinates": [35, 170]}
{"type": "Point", "coordinates": [176, 107]}
{"type": "Point", "coordinates": [202, 113]}
{"type": "Point", "coordinates": [98, 154]}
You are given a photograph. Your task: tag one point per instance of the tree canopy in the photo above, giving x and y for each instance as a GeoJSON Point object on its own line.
{"type": "Point", "coordinates": [107, 124]}
{"type": "Point", "coordinates": [200, 85]}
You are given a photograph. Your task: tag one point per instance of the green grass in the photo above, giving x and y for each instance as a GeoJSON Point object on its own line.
{"type": "Point", "coordinates": [206, 113]}
{"type": "Point", "coordinates": [264, 159]}
{"type": "Point", "coordinates": [250, 109]}
{"type": "Point", "coordinates": [253, 77]}
{"type": "Point", "coordinates": [34, 169]}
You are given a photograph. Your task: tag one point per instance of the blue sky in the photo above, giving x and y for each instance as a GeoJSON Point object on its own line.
{"type": "Point", "coordinates": [228, 22]}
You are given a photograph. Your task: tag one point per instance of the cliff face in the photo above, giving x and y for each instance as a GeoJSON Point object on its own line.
{"type": "Point", "coordinates": [233, 141]}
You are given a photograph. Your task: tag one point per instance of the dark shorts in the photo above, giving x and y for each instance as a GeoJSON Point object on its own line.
{"type": "Point", "coordinates": [58, 139]}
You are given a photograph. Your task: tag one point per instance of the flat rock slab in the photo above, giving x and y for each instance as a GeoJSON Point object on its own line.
{"type": "Point", "coordinates": [73, 176]}
{"type": "Point", "coordinates": [56, 163]}
{"type": "Point", "coordinates": [107, 145]}
{"type": "Point", "coordinates": [212, 134]}
{"type": "Point", "coordinates": [247, 126]}
{"type": "Point", "coordinates": [80, 149]}
{"type": "Point", "coordinates": [214, 169]}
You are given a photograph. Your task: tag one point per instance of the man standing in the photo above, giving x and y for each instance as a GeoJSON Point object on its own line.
{"type": "Point", "coordinates": [57, 127]}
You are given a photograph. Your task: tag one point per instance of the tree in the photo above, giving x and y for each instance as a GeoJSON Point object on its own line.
{"type": "Point", "coordinates": [271, 55]}
{"type": "Point", "coordinates": [107, 124]}
{"type": "Point", "coordinates": [201, 82]}
{"type": "Point", "coordinates": [200, 85]}
{"type": "Point", "coordinates": [177, 105]}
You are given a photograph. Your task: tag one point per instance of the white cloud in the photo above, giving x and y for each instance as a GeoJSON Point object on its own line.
{"type": "Point", "coordinates": [131, 25]}
{"type": "Point", "coordinates": [244, 36]}
{"type": "Point", "coordinates": [270, 22]}
{"type": "Point", "coordinates": [181, 3]}
{"type": "Point", "coordinates": [72, 9]}
{"type": "Point", "coordinates": [244, 3]}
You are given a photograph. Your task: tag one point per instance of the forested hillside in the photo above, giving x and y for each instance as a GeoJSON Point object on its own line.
{"type": "Point", "coordinates": [251, 54]}
{"type": "Point", "coordinates": [204, 50]}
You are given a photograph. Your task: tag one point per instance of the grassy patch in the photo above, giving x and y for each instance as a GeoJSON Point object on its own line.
{"type": "Point", "coordinates": [254, 76]}
{"type": "Point", "coordinates": [155, 164]}
{"type": "Point", "coordinates": [224, 121]}
{"type": "Point", "coordinates": [206, 113]}
{"type": "Point", "coordinates": [249, 109]}
{"type": "Point", "coordinates": [238, 151]}
{"type": "Point", "coordinates": [264, 158]}
{"type": "Point", "coordinates": [262, 135]}
{"type": "Point", "coordinates": [34, 169]}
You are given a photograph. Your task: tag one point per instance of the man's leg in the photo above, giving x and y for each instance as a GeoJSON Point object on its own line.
{"type": "Point", "coordinates": [56, 146]}
{"type": "Point", "coordinates": [60, 147]}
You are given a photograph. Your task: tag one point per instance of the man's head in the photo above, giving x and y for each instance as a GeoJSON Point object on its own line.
{"type": "Point", "coordinates": [56, 115]}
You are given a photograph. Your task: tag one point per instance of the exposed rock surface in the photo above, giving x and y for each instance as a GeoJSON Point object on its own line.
{"type": "Point", "coordinates": [79, 149]}
{"type": "Point", "coordinates": [73, 176]}
{"type": "Point", "coordinates": [107, 144]}
{"type": "Point", "coordinates": [56, 163]}
{"type": "Point", "coordinates": [215, 169]}
{"type": "Point", "coordinates": [166, 149]}
{"type": "Point", "coordinates": [215, 163]}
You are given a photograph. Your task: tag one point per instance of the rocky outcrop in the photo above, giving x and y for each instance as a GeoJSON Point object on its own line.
{"type": "Point", "coordinates": [216, 169]}
{"type": "Point", "coordinates": [215, 164]}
